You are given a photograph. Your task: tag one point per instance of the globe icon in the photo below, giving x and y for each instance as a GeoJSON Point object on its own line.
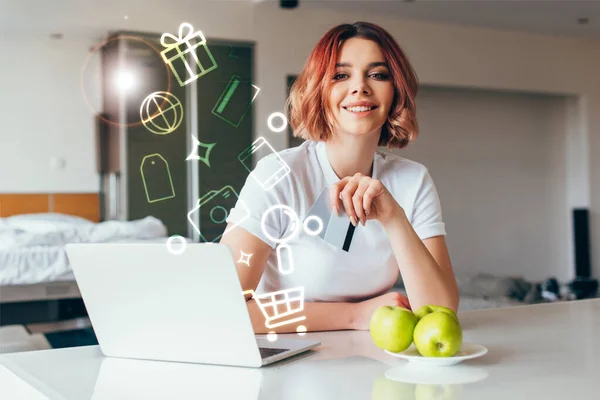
{"type": "Point", "coordinates": [161, 113]}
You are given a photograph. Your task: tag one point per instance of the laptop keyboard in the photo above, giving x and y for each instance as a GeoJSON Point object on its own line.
{"type": "Point", "coordinates": [268, 352]}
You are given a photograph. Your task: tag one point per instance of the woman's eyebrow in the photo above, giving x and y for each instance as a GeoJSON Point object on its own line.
{"type": "Point", "coordinates": [371, 65]}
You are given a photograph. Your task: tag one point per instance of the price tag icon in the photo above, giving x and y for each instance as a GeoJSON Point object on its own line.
{"type": "Point", "coordinates": [156, 177]}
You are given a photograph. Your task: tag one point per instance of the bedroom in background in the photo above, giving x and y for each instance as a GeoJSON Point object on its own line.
{"type": "Point", "coordinates": [43, 308]}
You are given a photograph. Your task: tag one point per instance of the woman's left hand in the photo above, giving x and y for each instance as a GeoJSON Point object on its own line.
{"type": "Point", "coordinates": [364, 198]}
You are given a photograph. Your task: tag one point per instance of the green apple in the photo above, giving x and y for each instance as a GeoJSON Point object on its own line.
{"type": "Point", "coordinates": [388, 389]}
{"type": "Point", "coordinates": [428, 309]}
{"type": "Point", "coordinates": [438, 334]}
{"type": "Point", "coordinates": [392, 328]}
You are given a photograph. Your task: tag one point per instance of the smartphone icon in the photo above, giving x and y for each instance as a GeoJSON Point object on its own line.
{"type": "Point", "coordinates": [260, 149]}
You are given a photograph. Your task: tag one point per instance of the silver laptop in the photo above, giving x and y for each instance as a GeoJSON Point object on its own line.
{"type": "Point", "coordinates": [145, 302]}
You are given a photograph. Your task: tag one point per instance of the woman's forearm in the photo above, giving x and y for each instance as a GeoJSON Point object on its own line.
{"type": "Point", "coordinates": [319, 317]}
{"type": "Point", "coordinates": [424, 280]}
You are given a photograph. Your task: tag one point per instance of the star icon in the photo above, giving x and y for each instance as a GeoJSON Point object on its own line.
{"type": "Point", "coordinates": [194, 154]}
{"type": "Point", "coordinates": [245, 258]}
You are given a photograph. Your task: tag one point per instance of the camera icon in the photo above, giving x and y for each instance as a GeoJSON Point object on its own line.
{"type": "Point", "coordinates": [216, 205]}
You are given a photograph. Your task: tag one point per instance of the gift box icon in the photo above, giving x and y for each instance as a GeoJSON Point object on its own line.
{"type": "Point", "coordinates": [180, 49]}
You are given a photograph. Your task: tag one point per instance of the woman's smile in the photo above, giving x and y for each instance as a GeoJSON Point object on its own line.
{"type": "Point", "coordinates": [360, 108]}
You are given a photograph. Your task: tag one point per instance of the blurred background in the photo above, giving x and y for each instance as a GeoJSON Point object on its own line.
{"type": "Point", "coordinates": [96, 129]}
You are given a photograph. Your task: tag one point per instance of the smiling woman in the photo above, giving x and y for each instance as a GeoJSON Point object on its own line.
{"type": "Point", "coordinates": [371, 71]}
{"type": "Point", "coordinates": [356, 92]}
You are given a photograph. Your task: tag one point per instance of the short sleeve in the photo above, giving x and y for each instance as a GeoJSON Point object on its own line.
{"type": "Point", "coordinates": [427, 211]}
{"type": "Point", "coordinates": [254, 201]}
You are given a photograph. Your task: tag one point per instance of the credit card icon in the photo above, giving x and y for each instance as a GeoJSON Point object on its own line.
{"type": "Point", "coordinates": [235, 101]}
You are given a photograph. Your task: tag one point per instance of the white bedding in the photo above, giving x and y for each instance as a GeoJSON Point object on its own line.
{"type": "Point", "coordinates": [32, 246]}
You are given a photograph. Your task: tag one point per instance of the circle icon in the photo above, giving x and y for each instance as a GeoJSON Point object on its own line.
{"type": "Point", "coordinates": [215, 217]}
{"type": "Point", "coordinates": [161, 113]}
{"type": "Point", "coordinates": [271, 336]}
{"type": "Point", "coordinates": [182, 245]}
{"type": "Point", "coordinates": [301, 329]}
{"type": "Point", "coordinates": [283, 124]}
{"type": "Point", "coordinates": [310, 231]}
{"type": "Point", "coordinates": [294, 222]}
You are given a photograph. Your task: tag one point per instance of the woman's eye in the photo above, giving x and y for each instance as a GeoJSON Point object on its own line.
{"type": "Point", "coordinates": [380, 76]}
{"type": "Point", "coordinates": [339, 76]}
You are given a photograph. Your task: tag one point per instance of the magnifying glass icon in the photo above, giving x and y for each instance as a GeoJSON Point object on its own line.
{"type": "Point", "coordinates": [285, 261]}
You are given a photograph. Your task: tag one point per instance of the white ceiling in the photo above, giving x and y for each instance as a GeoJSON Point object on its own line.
{"type": "Point", "coordinates": [554, 17]}
{"type": "Point", "coordinates": [84, 17]}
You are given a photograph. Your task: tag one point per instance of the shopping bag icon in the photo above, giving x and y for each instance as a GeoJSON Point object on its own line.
{"type": "Point", "coordinates": [188, 44]}
{"type": "Point", "coordinates": [156, 178]}
{"type": "Point", "coordinates": [216, 204]}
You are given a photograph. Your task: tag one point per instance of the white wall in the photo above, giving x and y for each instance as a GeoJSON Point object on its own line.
{"type": "Point", "coordinates": [44, 117]}
{"type": "Point", "coordinates": [498, 162]}
{"type": "Point", "coordinates": [443, 55]}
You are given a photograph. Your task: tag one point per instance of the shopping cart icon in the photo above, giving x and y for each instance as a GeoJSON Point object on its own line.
{"type": "Point", "coordinates": [281, 307]}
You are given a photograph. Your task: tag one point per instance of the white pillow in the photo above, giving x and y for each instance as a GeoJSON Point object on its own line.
{"type": "Point", "coordinates": [44, 222]}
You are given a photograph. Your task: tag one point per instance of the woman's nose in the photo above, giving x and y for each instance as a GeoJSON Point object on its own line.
{"type": "Point", "coordinates": [360, 86]}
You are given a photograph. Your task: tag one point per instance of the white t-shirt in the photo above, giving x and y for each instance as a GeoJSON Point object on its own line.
{"type": "Point", "coordinates": [326, 272]}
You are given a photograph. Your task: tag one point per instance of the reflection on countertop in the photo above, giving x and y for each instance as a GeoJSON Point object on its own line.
{"type": "Point", "coordinates": [355, 377]}
{"type": "Point", "coordinates": [410, 381]}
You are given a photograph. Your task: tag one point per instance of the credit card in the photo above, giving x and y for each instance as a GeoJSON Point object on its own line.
{"type": "Point", "coordinates": [337, 229]}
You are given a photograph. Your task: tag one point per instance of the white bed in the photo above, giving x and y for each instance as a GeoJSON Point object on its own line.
{"type": "Point", "coordinates": [33, 262]}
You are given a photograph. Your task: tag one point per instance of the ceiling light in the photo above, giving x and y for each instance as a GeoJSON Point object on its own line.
{"type": "Point", "coordinates": [125, 80]}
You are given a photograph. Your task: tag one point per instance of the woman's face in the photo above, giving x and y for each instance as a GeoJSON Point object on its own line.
{"type": "Point", "coordinates": [362, 90]}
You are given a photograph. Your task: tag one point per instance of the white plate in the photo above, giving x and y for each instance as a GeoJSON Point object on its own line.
{"type": "Point", "coordinates": [467, 351]}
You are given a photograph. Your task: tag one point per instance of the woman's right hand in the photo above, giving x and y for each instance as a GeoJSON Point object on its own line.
{"type": "Point", "coordinates": [364, 310]}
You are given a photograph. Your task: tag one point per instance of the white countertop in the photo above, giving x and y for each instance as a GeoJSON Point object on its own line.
{"type": "Point", "coordinates": [549, 351]}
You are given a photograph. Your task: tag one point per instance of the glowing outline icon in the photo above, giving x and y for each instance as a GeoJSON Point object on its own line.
{"type": "Point", "coordinates": [168, 174]}
{"type": "Point", "coordinates": [170, 241]}
{"type": "Point", "coordinates": [276, 318]}
{"type": "Point", "coordinates": [272, 117]}
{"type": "Point", "coordinates": [186, 34]}
{"type": "Point", "coordinates": [312, 232]}
{"type": "Point", "coordinates": [283, 247]}
{"type": "Point", "coordinates": [245, 258]}
{"type": "Point", "coordinates": [271, 181]}
{"type": "Point", "coordinates": [194, 154]}
{"type": "Point", "coordinates": [226, 96]}
{"type": "Point", "coordinates": [225, 191]}
{"type": "Point", "coordinates": [149, 121]}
